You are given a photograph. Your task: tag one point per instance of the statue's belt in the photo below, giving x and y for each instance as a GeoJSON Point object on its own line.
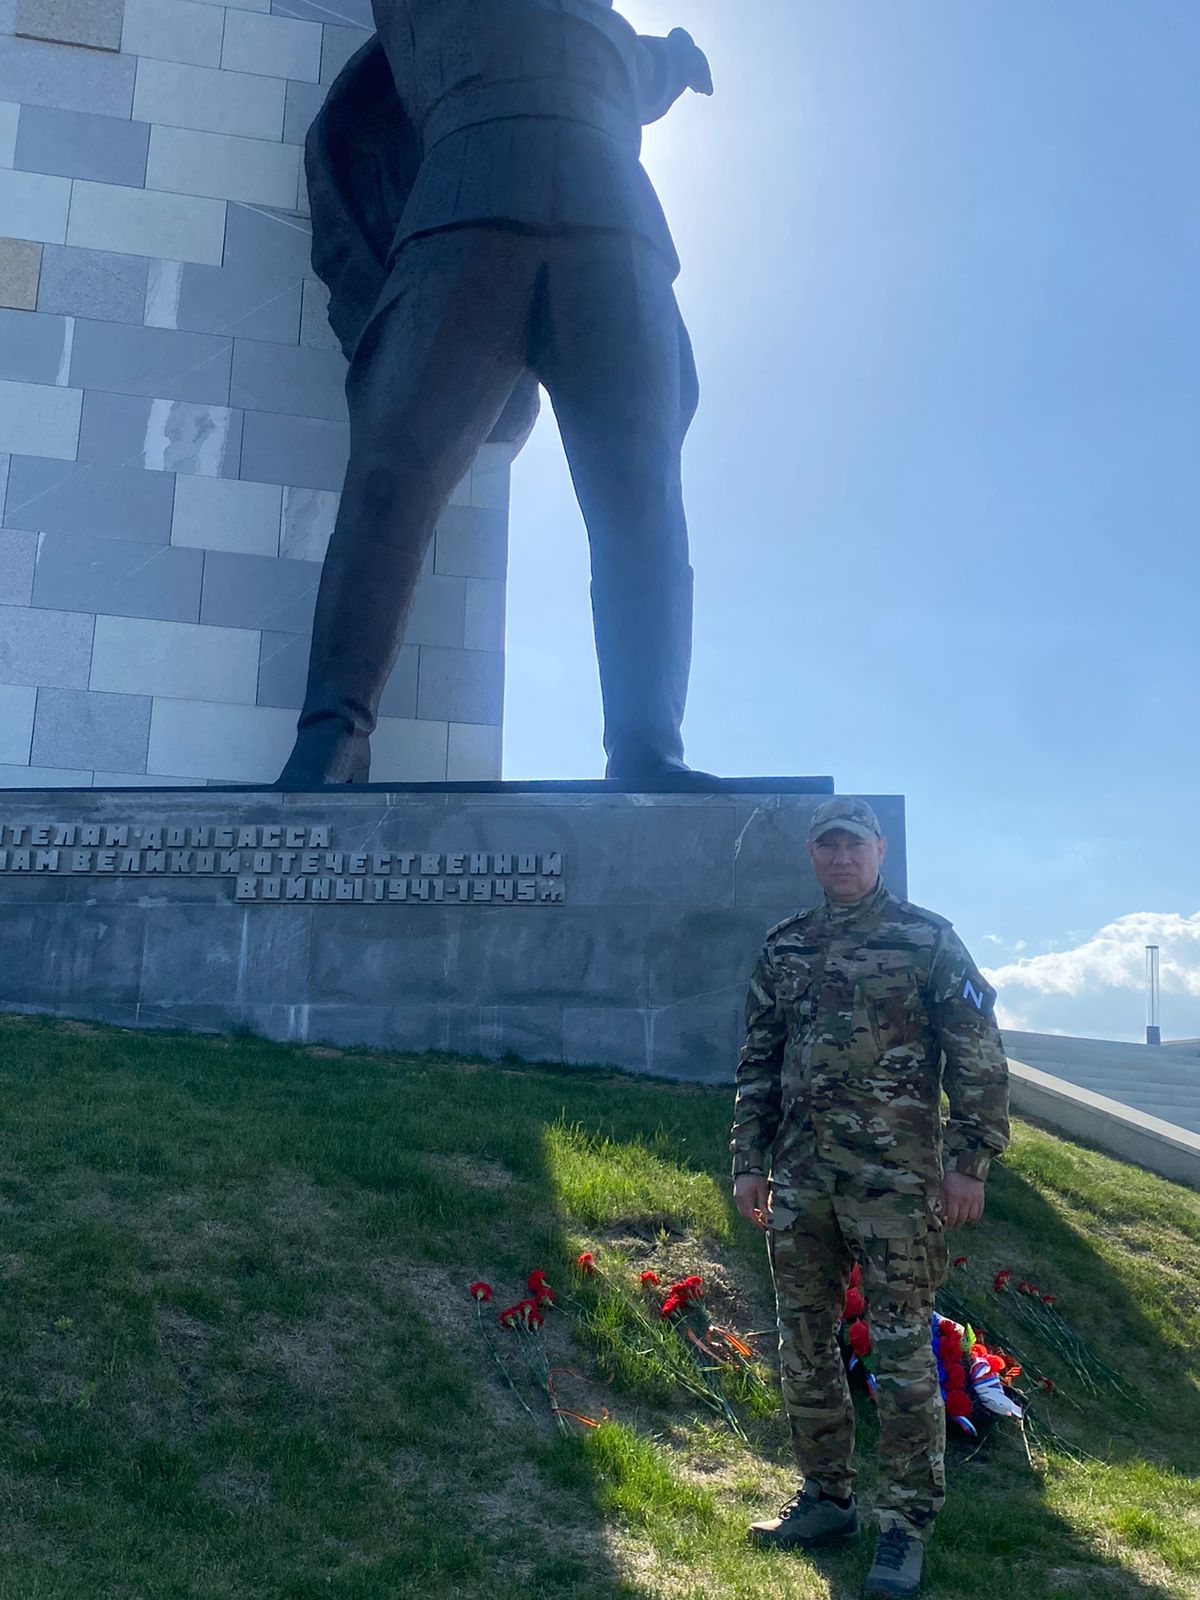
{"type": "Point", "coordinates": [467, 108]}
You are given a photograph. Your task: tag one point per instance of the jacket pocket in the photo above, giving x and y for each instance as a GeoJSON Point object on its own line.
{"type": "Point", "coordinates": [891, 1010]}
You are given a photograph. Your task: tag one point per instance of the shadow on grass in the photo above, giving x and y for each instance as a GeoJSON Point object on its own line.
{"type": "Point", "coordinates": [239, 1355]}
{"type": "Point", "coordinates": [240, 1360]}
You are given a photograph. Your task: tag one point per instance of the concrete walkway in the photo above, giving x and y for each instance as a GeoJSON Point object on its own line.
{"type": "Point", "coordinates": [1162, 1081]}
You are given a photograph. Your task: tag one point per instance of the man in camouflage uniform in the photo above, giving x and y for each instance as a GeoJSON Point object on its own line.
{"type": "Point", "coordinates": [860, 1012]}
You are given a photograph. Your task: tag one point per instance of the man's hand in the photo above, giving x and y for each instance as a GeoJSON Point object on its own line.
{"type": "Point", "coordinates": [962, 1199]}
{"type": "Point", "coordinates": [689, 61]}
{"type": "Point", "coordinates": [752, 1196]}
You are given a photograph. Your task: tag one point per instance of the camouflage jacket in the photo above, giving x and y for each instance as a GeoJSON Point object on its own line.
{"type": "Point", "coordinates": [853, 1010]}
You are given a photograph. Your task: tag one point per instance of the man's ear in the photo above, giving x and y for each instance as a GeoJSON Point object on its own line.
{"type": "Point", "coordinates": [882, 849]}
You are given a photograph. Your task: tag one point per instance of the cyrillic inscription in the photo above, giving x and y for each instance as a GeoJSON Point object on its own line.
{"type": "Point", "coordinates": [275, 864]}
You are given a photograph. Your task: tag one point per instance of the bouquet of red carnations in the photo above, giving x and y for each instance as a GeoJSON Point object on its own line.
{"type": "Point", "coordinates": [666, 1336]}
{"type": "Point", "coordinates": [525, 1320]}
{"type": "Point", "coordinates": [721, 1358]}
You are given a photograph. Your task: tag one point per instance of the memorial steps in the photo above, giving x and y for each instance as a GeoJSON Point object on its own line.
{"type": "Point", "coordinates": [1161, 1080]}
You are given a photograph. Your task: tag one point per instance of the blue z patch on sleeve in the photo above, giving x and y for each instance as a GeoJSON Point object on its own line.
{"type": "Point", "coordinates": [970, 992]}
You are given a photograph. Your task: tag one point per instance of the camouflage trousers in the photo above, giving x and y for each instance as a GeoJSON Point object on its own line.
{"type": "Point", "coordinates": [816, 1236]}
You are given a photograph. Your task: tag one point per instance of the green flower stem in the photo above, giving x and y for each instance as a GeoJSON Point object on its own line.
{"type": "Point", "coordinates": [493, 1348]}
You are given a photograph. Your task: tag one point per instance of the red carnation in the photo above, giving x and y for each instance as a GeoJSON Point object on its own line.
{"type": "Point", "coordinates": [1022, 1287]}
{"type": "Point", "coordinates": [480, 1290]}
{"type": "Point", "coordinates": [545, 1297]}
{"type": "Point", "coordinates": [1047, 1384]}
{"type": "Point", "coordinates": [860, 1338]}
{"type": "Point", "coordinates": [508, 1317]}
{"type": "Point", "coordinates": [855, 1305]}
{"type": "Point", "coordinates": [997, 1363]}
{"type": "Point", "coordinates": [958, 1404]}
{"type": "Point", "coordinates": [960, 1261]}
{"type": "Point", "coordinates": [1002, 1280]}
{"type": "Point", "coordinates": [670, 1305]}
{"type": "Point", "coordinates": [534, 1318]}
{"type": "Point", "coordinates": [695, 1282]}
{"type": "Point", "coordinates": [650, 1277]}
{"type": "Point", "coordinates": [1049, 1299]}
{"type": "Point", "coordinates": [535, 1279]}
{"type": "Point", "coordinates": [856, 1276]}
{"type": "Point", "coordinates": [979, 1351]}
{"type": "Point", "coordinates": [586, 1262]}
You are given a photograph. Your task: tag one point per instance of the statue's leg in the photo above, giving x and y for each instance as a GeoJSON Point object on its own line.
{"type": "Point", "coordinates": [432, 372]}
{"type": "Point", "coordinates": [608, 348]}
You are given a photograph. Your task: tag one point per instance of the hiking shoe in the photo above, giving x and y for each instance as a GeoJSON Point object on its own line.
{"type": "Point", "coordinates": [896, 1573]}
{"type": "Point", "coordinates": [807, 1519]}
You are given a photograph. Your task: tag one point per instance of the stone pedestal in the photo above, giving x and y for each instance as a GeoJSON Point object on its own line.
{"type": "Point", "coordinates": [560, 922]}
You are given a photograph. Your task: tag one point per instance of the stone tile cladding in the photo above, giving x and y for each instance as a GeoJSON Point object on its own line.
{"type": "Point", "coordinates": [173, 431]}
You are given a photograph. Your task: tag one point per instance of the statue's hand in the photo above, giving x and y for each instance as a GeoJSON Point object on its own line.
{"type": "Point", "coordinates": [689, 61]}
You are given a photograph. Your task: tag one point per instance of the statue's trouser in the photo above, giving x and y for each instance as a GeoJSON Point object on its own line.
{"type": "Point", "coordinates": [818, 1231]}
{"type": "Point", "coordinates": [464, 313]}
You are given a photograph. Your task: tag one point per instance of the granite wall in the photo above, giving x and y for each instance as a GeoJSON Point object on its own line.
{"type": "Point", "coordinates": [172, 425]}
{"type": "Point", "coordinates": [554, 922]}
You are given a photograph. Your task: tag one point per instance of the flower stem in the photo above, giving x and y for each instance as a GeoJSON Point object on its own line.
{"type": "Point", "coordinates": [498, 1358]}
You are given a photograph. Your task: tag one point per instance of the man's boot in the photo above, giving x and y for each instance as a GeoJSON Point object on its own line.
{"type": "Point", "coordinates": [807, 1519]}
{"type": "Point", "coordinates": [896, 1573]}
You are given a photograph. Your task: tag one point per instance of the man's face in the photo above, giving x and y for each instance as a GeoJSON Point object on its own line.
{"type": "Point", "coordinates": [847, 866]}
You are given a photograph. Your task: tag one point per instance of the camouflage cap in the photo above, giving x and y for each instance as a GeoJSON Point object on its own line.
{"type": "Point", "coordinates": [844, 811]}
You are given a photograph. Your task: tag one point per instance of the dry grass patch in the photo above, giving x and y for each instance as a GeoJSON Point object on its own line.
{"type": "Point", "coordinates": [475, 1172]}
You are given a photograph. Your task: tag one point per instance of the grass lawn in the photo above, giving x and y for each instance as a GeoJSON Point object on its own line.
{"type": "Point", "coordinates": [237, 1356]}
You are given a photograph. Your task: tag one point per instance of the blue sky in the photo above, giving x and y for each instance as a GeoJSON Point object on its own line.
{"type": "Point", "coordinates": [942, 273]}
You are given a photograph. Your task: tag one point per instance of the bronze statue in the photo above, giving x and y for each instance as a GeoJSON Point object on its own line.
{"type": "Point", "coordinates": [483, 221]}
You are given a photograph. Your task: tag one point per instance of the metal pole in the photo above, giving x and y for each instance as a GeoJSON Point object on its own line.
{"type": "Point", "coordinates": [1153, 1030]}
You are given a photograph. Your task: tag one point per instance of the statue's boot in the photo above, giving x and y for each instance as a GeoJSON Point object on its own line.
{"type": "Point", "coordinates": [329, 751]}
{"type": "Point", "coordinates": [648, 773]}
{"type": "Point", "coordinates": [362, 606]}
{"type": "Point", "coordinates": [643, 622]}
{"type": "Point", "coordinates": [642, 616]}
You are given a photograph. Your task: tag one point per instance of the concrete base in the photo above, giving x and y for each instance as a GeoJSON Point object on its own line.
{"type": "Point", "coordinates": [561, 922]}
{"type": "Point", "coordinates": [1161, 1081]}
{"type": "Point", "coordinates": [1147, 1141]}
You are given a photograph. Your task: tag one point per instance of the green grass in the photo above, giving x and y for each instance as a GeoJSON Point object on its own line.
{"type": "Point", "coordinates": [237, 1359]}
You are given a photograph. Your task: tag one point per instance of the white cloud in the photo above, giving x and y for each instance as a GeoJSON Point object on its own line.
{"type": "Point", "coordinates": [1115, 957]}
{"type": "Point", "coordinates": [1098, 987]}
{"type": "Point", "coordinates": [993, 938]}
